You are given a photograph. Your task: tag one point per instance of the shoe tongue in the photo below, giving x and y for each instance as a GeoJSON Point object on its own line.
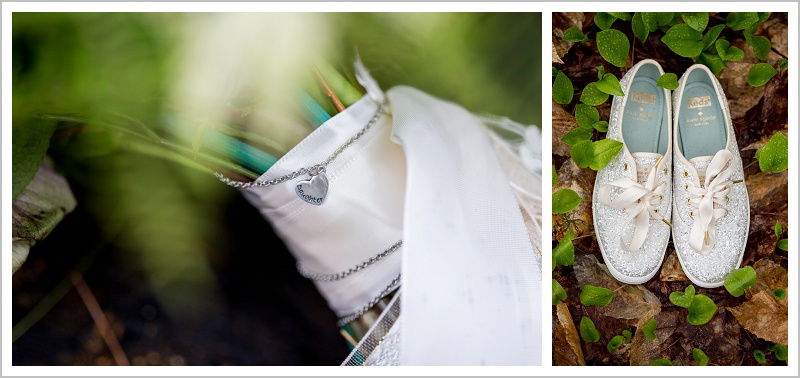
{"type": "Point", "coordinates": [700, 165]}
{"type": "Point", "coordinates": [644, 164]}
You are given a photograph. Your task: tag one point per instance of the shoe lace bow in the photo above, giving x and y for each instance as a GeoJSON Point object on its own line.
{"type": "Point", "coordinates": [639, 201]}
{"type": "Point", "coordinates": [708, 199]}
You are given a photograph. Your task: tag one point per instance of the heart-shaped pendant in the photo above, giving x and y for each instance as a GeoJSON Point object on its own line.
{"type": "Point", "coordinates": [314, 190]}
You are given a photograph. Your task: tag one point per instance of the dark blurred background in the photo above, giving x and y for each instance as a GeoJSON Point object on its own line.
{"type": "Point", "coordinates": [187, 272]}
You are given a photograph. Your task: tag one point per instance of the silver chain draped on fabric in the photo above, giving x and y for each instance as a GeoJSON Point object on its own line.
{"type": "Point", "coordinates": [389, 288]}
{"type": "Point", "coordinates": [338, 276]}
{"type": "Point", "coordinates": [312, 170]}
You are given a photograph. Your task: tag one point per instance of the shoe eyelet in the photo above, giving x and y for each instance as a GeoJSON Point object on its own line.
{"type": "Point", "coordinates": [685, 174]}
{"type": "Point", "coordinates": [625, 167]}
{"type": "Point", "coordinates": [688, 201]}
{"type": "Point", "coordinates": [691, 214]}
{"type": "Point", "coordinates": [666, 171]}
{"type": "Point", "coordinates": [656, 211]}
{"type": "Point", "coordinates": [686, 187]}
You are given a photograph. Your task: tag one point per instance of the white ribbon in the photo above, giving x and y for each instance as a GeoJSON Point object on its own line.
{"type": "Point", "coordinates": [715, 191]}
{"type": "Point", "coordinates": [638, 201]}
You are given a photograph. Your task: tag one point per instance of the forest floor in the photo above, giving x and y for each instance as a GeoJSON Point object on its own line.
{"type": "Point", "coordinates": [757, 112]}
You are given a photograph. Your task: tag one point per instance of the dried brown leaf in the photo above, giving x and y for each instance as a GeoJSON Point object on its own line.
{"type": "Point", "coordinates": [741, 95]}
{"type": "Point", "coordinates": [671, 270]}
{"type": "Point", "coordinates": [561, 22]}
{"type": "Point", "coordinates": [768, 192]}
{"type": "Point", "coordinates": [764, 316]}
{"type": "Point", "coordinates": [631, 302]}
{"type": "Point", "coordinates": [566, 344]}
{"type": "Point", "coordinates": [556, 55]}
{"type": "Point", "coordinates": [563, 122]}
{"type": "Point", "coordinates": [643, 350]}
{"type": "Point", "coordinates": [571, 176]}
{"type": "Point", "coordinates": [770, 275]}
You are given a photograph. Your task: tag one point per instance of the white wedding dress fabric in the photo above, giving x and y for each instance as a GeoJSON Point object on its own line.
{"type": "Point", "coordinates": [465, 202]}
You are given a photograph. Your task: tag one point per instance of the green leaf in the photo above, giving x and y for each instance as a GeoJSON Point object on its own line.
{"type": "Point", "coordinates": [668, 81]}
{"type": "Point", "coordinates": [559, 294]}
{"type": "Point", "coordinates": [728, 52]}
{"type": "Point", "coordinates": [741, 20]}
{"type": "Point", "coordinates": [627, 335]}
{"type": "Point", "coordinates": [593, 96]}
{"type": "Point", "coordinates": [783, 244]}
{"type": "Point", "coordinates": [604, 151]}
{"type": "Point", "coordinates": [624, 16]}
{"type": "Point", "coordinates": [649, 329]}
{"type": "Point", "coordinates": [759, 356]}
{"type": "Point", "coordinates": [750, 31]}
{"type": "Point", "coordinates": [613, 46]}
{"type": "Point", "coordinates": [774, 155]}
{"type": "Point", "coordinates": [661, 362]}
{"type": "Point", "coordinates": [640, 29]}
{"type": "Point", "coordinates": [604, 20]}
{"type": "Point", "coordinates": [554, 71]}
{"type": "Point", "coordinates": [562, 89]}
{"type": "Point", "coordinates": [711, 35]}
{"type": "Point", "coordinates": [565, 200]}
{"type": "Point", "coordinates": [664, 18]}
{"type": "Point", "coordinates": [779, 294]}
{"type": "Point", "coordinates": [650, 20]}
{"type": "Point", "coordinates": [601, 126]}
{"type": "Point", "coordinates": [555, 175]}
{"type": "Point", "coordinates": [582, 153]}
{"type": "Point", "coordinates": [697, 20]}
{"type": "Point", "coordinates": [684, 41]}
{"type": "Point", "coordinates": [763, 16]}
{"type": "Point", "coordinates": [600, 72]}
{"type": "Point", "coordinates": [614, 343]}
{"type": "Point", "coordinates": [739, 280]}
{"type": "Point", "coordinates": [701, 310]}
{"type": "Point", "coordinates": [574, 34]}
{"type": "Point", "coordinates": [586, 115]}
{"type": "Point", "coordinates": [576, 135]}
{"type": "Point", "coordinates": [781, 351]}
{"type": "Point", "coordinates": [782, 64]}
{"type": "Point", "coordinates": [761, 46]}
{"type": "Point", "coordinates": [609, 84]}
{"type": "Point", "coordinates": [778, 229]}
{"type": "Point", "coordinates": [596, 296]}
{"type": "Point", "coordinates": [682, 298]}
{"type": "Point", "coordinates": [564, 252]}
{"type": "Point", "coordinates": [712, 61]}
{"type": "Point", "coordinates": [29, 142]}
{"type": "Point", "coordinates": [588, 331]}
{"type": "Point", "coordinates": [700, 358]}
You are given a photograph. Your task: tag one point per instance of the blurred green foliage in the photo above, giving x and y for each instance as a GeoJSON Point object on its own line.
{"type": "Point", "coordinates": [120, 68]}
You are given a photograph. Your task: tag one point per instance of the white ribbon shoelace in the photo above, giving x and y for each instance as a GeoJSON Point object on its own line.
{"type": "Point", "coordinates": [705, 200]}
{"type": "Point", "coordinates": [639, 201]}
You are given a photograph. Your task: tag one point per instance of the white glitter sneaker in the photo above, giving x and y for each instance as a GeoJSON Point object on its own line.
{"type": "Point", "coordinates": [632, 195]}
{"type": "Point", "coordinates": [711, 207]}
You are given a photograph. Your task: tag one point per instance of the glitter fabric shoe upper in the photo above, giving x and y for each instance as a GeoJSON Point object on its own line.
{"type": "Point", "coordinates": [614, 227]}
{"type": "Point", "coordinates": [723, 248]}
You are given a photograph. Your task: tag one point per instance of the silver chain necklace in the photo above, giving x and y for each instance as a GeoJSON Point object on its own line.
{"type": "Point", "coordinates": [314, 191]}
{"type": "Point", "coordinates": [338, 276]}
{"type": "Point", "coordinates": [315, 188]}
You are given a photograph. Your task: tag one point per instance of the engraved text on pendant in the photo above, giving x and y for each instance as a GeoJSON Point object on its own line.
{"type": "Point", "coordinates": [314, 190]}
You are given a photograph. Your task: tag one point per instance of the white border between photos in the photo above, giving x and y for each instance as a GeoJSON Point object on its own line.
{"type": "Point", "coordinates": [545, 9]}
